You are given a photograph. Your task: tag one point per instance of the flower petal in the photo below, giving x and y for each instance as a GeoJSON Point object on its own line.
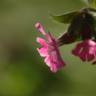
{"type": "Point", "coordinates": [48, 61]}
{"type": "Point", "coordinates": [77, 49]}
{"type": "Point", "coordinates": [54, 68]}
{"type": "Point", "coordinates": [41, 41]}
{"type": "Point", "coordinates": [42, 51]}
{"type": "Point", "coordinates": [90, 57]}
{"type": "Point", "coordinates": [40, 28]}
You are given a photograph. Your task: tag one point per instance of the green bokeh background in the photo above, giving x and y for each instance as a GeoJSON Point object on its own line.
{"type": "Point", "coordinates": [22, 71]}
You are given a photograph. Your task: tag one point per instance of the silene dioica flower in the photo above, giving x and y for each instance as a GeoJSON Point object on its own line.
{"type": "Point", "coordinates": [49, 50]}
{"type": "Point", "coordinates": [81, 30]}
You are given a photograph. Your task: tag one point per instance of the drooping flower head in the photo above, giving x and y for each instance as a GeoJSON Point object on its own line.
{"type": "Point", "coordinates": [86, 50]}
{"type": "Point", "coordinates": [82, 28]}
{"type": "Point", "coordinates": [49, 50]}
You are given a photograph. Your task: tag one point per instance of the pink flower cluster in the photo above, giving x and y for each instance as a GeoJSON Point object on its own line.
{"type": "Point", "coordinates": [86, 50]}
{"type": "Point", "coordinates": [49, 50]}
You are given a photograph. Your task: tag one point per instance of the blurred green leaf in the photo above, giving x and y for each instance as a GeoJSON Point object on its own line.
{"type": "Point", "coordinates": [65, 18]}
{"type": "Point", "coordinates": [92, 3]}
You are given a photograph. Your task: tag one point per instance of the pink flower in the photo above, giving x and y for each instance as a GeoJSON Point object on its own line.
{"type": "Point", "coordinates": [49, 50]}
{"type": "Point", "coordinates": [86, 50]}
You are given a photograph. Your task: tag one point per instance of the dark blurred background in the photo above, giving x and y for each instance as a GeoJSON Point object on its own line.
{"type": "Point", "coordinates": [22, 70]}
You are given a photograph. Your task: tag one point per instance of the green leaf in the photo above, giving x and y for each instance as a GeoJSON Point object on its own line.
{"type": "Point", "coordinates": [65, 18]}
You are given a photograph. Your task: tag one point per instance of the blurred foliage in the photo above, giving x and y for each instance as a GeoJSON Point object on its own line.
{"type": "Point", "coordinates": [92, 3]}
{"type": "Point", "coordinates": [22, 71]}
